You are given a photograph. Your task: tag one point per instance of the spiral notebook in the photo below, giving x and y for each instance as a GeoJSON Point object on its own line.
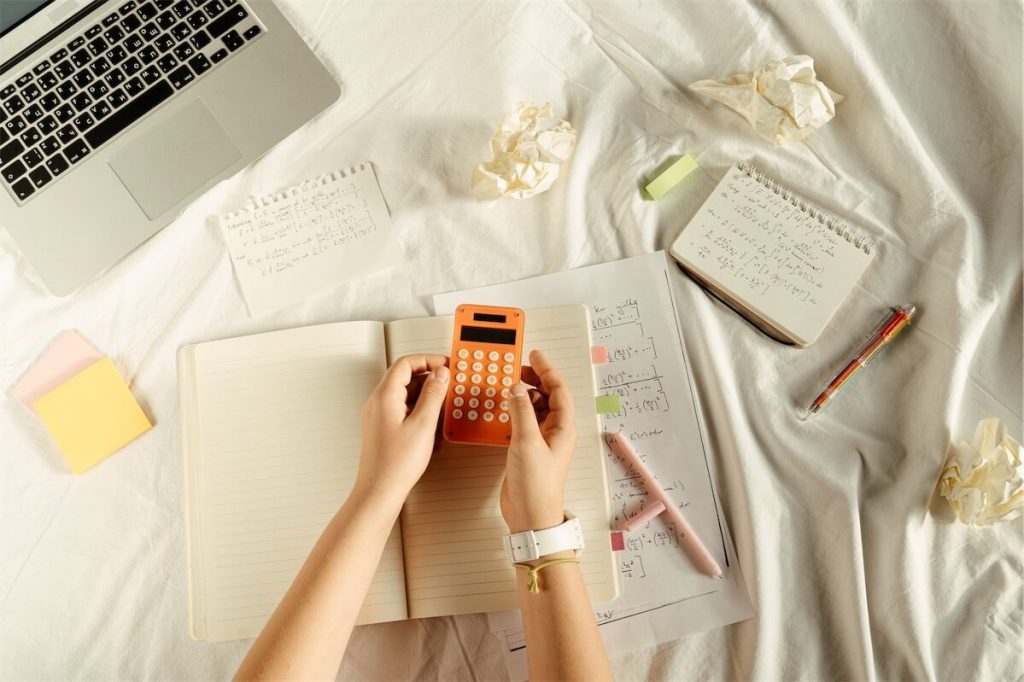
{"type": "Point", "coordinates": [289, 246]}
{"type": "Point", "coordinates": [782, 263]}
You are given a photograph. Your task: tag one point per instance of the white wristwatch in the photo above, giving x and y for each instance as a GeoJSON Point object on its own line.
{"type": "Point", "coordinates": [533, 544]}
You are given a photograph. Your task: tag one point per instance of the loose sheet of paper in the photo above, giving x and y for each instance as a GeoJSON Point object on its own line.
{"type": "Point", "coordinates": [66, 357]}
{"type": "Point", "coordinates": [663, 596]}
{"type": "Point", "coordinates": [310, 238]}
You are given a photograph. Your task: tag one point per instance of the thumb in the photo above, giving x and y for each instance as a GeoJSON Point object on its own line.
{"type": "Point", "coordinates": [524, 418]}
{"type": "Point", "coordinates": [432, 394]}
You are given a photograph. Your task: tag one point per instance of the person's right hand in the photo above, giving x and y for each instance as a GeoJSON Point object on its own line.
{"type": "Point", "coordinates": [543, 442]}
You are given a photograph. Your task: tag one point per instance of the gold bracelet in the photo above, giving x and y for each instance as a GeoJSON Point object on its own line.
{"type": "Point", "coordinates": [533, 570]}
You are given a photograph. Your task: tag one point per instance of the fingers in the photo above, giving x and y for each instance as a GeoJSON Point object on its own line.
{"type": "Point", "coordinates": [400, 374]}
{"type": "Point", "coordinates": [431, 397]}
{"type": "Point", "coordinates": [524, 419]}
{"type": "Point", "coordinates": [560, 421]}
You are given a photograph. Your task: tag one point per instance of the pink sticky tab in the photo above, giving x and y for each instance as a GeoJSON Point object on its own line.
{"type": "Point", "coordinates": [618, 541]}
{"type": "Point", "coordinates": [65, 358]}
{"type": "Point", "coordinates": [599, 355]}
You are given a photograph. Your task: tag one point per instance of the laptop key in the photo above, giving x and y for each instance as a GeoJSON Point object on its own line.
{"type": "Point", "coordinates": [47, 125]}
{"type": "Point", "coordinates": [164, 4]}
{"type": "Point", "coordinates": [4, 136]}
{"type": "Point", "coordinates": [219, 55]}
{"type": "Point", "coordinates": [251, 33]}
{"type": "Point", "coordinates": [200, 64]}
{"type": "Point", "coordinates": [48, 80]}
{"type": "Point", "coordinates": [148, 54]}
{"type": "Point", "coordinates": [81, 58]}
{"type": "Point", "coordinates": [110, 19]}
{"type": "Point", "coordinates": [167, 62]}
{"type": "Point", "coordinates": [232, 40]}
{"type": "Point", "coordinates": [30, 137]}
{"type": "Point", "coordinates": [197, 20]}
{"type": "Point", "coordinates": [32, 158]}
{"type": "Point", "coordinates": [97, 90]}
{"type": "Point", "coordinates": [10, 151]}
{"type": "Point", "coordinates": [64, 113]}
{"type": "Point", "coordinates": [126, 7]}
{"type": "Point", "coordinates": [133, 87]}
{"type": "Point", "coordinates": [181, 77]}
{"type": "Point", "coordinates": [13, 105]}
{"type": "Point", "coordinates": [213, 8]}
{"type": "Point", "coordinates": [33, 114]}
{"type": "Point", "coordinates": [24, 79]}
{"type": "Point", "coordinates": [40, 67]}
{"type": "Point", "coordinates": [100, 111]}
{"type": "Point", "coordinates": [166, 20]}
{"type": "Point", "coordinates": [181, 31]}
{"type": "Point", "coordinates": [130, 113]}
{"type": "Point", "coordinates": [57, 164]}
{"type": "Point", "coordinates": [50, 101]}
{"type": "Point", "coordinates": [114, 34]}
{"type": "Point", "coordinates": [67, 134]}
{"type": "Point", "coordinates": [100, 66]}
{"type": "Point", "coordinates": [50, 146]}
{"type": "Point", "coordinates": [114, 78]}
{"type": "Point", "coordinates": [58, 55]}
{"type": "Point", "coordinates": [134, 43]}
{"type": "Point", "coordinates": [201, 38]}
{"type": "Point", "coordinates": [64, 69]}
{"type": "Point", "coordinates": [183, 52]}
{"type": "Point", "coordinates": [66, 89]}
{"type": "Point", "coordinates": [149, 31]}
{"type": "Point", "coordinates": [84, 122]}
{"type": "Point", "coordinates": [83, 78]}
{"type": "Point", "coordinates": [7, 92]}
{"type": "Point", "coordinates": [117, 98]}
{"type": "Point", "coordinates": [151, 74]}
{"type": "Point", "coordinates": [81, 101]}
{"type": "Point", "coordinates": [23, 189]}
{"type": "Point", "coordinates": [182, 9]}
{"type": "Point", "coordinates": [39, 177]}
{"type": "Point", "coordinates": [227, 21]}
{"type": "Point", "coordinates": [13, 171]}
{"type": "Point", "coordinates": [76, 151]}
{"type": "Point", "coordinates": [147, 11]}
{"type": "Point", "coordinates": [116, 54]}
{"type": "Point", "coordinates": [97, 47]}
{"type": "Point", "coordinates": [76, 43]}
{"type": "Point", "coordinates": [131, 66]}
{"type": "Point", "coordinates": [31, 93]}
{"type": "Point", "coordinates": [15, 125]}
{"type": "Point", "coordinates": [93, 31]}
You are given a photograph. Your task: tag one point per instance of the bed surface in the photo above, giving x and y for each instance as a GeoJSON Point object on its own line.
{"type": "Point", "coordinates": [851, 575]}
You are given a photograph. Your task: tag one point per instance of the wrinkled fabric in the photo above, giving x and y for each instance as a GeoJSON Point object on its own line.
{"type": "Point", "coordinates": [855, 568]}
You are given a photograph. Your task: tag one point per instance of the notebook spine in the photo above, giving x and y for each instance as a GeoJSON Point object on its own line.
{"type": "Point", "coordinates": [827, 220]}
{"type": "Point", "coordinates": [257, 203]}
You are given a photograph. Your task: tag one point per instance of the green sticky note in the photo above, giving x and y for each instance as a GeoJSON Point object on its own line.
{"type": "Point", "coordinates": [608, 404]}
{"type": "Point", "coordinates": [671, 176]}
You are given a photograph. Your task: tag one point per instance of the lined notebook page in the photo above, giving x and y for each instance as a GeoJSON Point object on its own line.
{"type": "Point", "coordinates": [451, 523]}
{"type": "Point", "coordinates": [272, 449]}
{"type": "Point", "coordinates": [765, 249]}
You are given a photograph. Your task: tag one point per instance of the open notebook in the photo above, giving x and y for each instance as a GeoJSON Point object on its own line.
{"type": "Point", "coordinates": [271, 438]}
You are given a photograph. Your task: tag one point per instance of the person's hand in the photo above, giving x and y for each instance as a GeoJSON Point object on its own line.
{"type": "Point", "coordinates": [543, 442]}
{"type": "Point", "coordinates": [400, 423]}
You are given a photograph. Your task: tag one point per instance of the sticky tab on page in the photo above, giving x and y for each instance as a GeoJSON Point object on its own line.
{"type": "Point", "coordinates": [599, 355]}
{"type": "Point", "coordinates": [671, 176]}
{"type": "Point", "coordinates": [92, 415]}
{"type": "Point", "coordinates": [618, 540]}
{"type": "Point", "coordinates": [608, 404]}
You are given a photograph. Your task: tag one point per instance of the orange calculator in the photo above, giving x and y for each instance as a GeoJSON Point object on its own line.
{"type": "Point", "coordinates": [487, 348]}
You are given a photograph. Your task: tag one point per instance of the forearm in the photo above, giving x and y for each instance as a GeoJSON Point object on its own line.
{"type": "Point", "coordinates": [561, 633]}
{"type": "Point", "coordinates": [306, 636]}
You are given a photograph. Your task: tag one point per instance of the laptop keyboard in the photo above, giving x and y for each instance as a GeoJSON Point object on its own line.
{"type": "Point", "coordinates": [106, 78]}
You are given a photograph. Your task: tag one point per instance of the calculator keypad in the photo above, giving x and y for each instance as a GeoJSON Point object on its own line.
{"type": "Point", "coordinates": [478, 375]}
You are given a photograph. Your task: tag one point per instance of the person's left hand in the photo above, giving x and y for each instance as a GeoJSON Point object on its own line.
{"type": "Point", "coordinates": [399, 425]}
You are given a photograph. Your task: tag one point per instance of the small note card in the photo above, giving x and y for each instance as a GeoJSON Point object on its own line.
{"type": "Point", "coordinates": [310, 238]}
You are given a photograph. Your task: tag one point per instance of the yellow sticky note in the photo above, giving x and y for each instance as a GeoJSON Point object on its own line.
{"type": "Point", "coordinates": [671, 176]}
{"type": "Point", "coordinates": [92, 415]}
{"type": "Point", "coordinates": [608, 404]}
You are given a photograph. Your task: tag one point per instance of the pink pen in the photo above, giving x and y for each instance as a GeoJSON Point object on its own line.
{"type": "Point", "coordinates": [689, 540]}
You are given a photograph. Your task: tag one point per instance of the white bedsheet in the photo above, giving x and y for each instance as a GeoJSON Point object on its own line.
{"type": "Point", "coordinates": [850, 574]}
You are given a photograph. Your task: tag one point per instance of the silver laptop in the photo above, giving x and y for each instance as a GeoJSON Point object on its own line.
{"type": "Point", "coordinates": [114, 115]}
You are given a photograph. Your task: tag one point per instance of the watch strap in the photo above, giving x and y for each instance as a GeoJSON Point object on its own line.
{"type": "Point", "coordinates": [534, 544]}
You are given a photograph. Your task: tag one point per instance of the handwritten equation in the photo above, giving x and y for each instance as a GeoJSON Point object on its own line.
{"type": "Point", "coordinates": [306, 226]}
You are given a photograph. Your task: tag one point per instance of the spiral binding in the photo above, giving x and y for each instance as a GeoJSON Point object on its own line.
{"type": "Point", "coordinates": [256, 203]}
{"type": "Point", "coordinates": [831, 222]}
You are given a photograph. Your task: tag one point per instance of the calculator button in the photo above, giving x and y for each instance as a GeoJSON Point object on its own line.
{"type": "Point", "coordinates": [509, 357]}
{"type": "Point", "coordinates": [491, 379]}
{"type": "Point", "coordinates": [506, 369]}
{"type": "Point", "coordinates": [490, 392]}
{"type": "Point", "coordinates": [478, 366]}
{"type": "Point", "coordinates": [476, 378]}
{"type": "Point", "coordinates": [460, 378]}
{"type": "Point", "coordinates": [504, 405]}
{"type": "Point", "coordinates": [458, 402]}
{"type": "Point", "coordinates": [478, 355]}
{"type": "Point", "coordinates": [503, 417]}
{"type": "Point", "coordinates": [492, 368]}
{"type": "Point", "coordinates": [506, 381]}
{"type": "Point", "coordinates": [489, 404]}
{"type": "Point", "coordinates": [493, 356]}
{"type": "Point", "coordinates": [463, 353]}
{"type": "Point", "coordinates": [472, 415]}
{"type": "Point", "coordinates": [488, 416]}
{"type": "Point", "coordinates": [473, 402]}
{"type": "Point", "coordinates": [474, 390]}
{"type": "Point", "coordinates": [504, 393]}
{"type": "Point", "coordinates": [457, 414]}
{"type": "Point", "coordinates": [462, 365]}
{"type": "Point", "coordinates": [459, 390]}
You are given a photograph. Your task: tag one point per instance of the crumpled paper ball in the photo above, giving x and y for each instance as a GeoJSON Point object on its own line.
{"type": "Point", "coordinates": [783, 100]}
{"type": "Point", "coordinates": [528, 149]}
{"type": "Point", "coordinates": [984, 480]}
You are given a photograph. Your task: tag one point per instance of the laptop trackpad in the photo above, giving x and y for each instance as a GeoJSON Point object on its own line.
{"type": "Point", "coordinates": [175, 158]}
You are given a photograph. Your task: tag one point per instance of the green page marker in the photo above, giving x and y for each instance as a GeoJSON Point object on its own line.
{"type": "Point", "coordinates": [671, 176]}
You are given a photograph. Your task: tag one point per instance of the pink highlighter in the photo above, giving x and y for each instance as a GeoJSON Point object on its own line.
{"type": "Point", "coordinates": [663, 505]}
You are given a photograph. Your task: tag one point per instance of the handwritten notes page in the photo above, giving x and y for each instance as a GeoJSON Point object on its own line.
{"type": "Point", "coordinates": [310, 238]}
{"type": "Point", "coordinates": [663, 596]}
{"type": "Point", "coordinates": [271, 430]}
{"type": "Point", "coordinates": [782, 261]}
{"type": "Point", "coordinates": [451, 522]}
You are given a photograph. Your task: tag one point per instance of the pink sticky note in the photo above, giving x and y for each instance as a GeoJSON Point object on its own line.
{"type": "Point", "coordinates": [599, 355]}
{"type": "Point", "coordinates": [65, 358]}
{"type": "Point", "coordinates": [618, 541]}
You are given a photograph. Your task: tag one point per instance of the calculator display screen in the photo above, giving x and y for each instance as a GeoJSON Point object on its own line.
{"type": "Point", "coordinates": [488, 335]}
